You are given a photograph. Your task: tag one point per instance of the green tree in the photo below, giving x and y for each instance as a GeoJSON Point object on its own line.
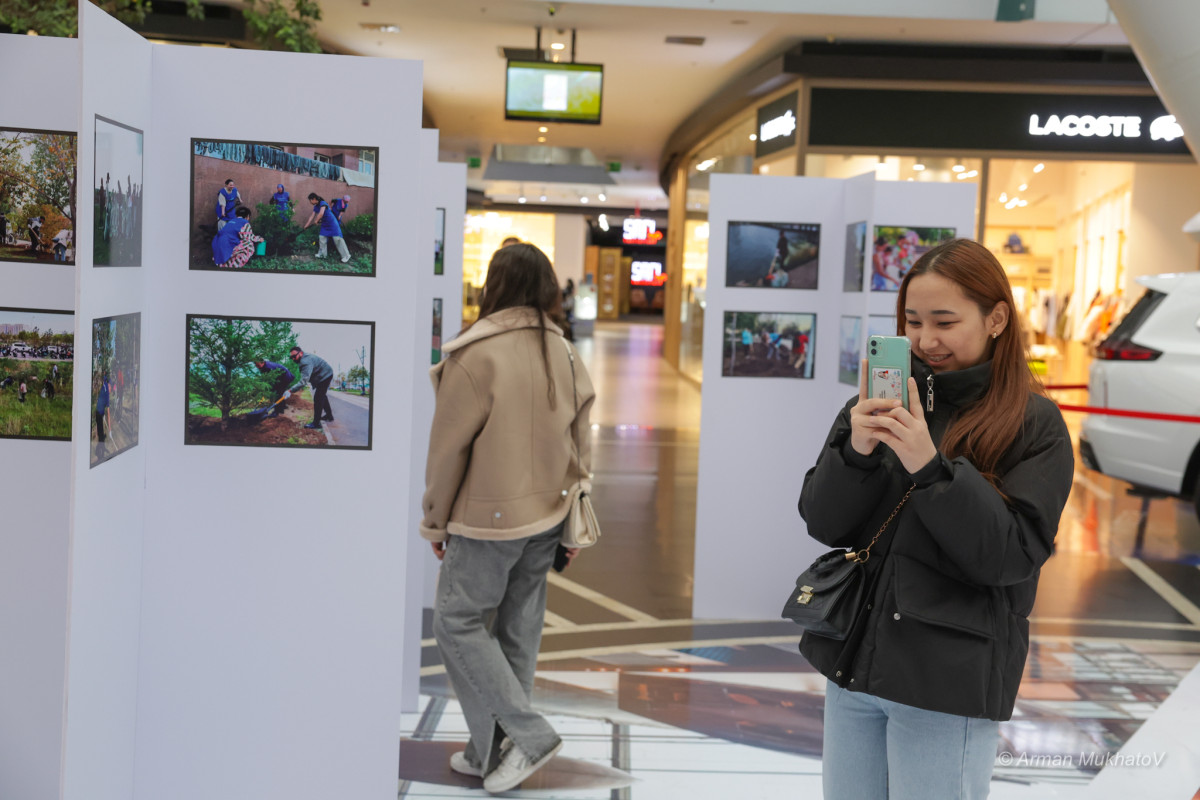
{"type": "Point", "coordinates": [37, 169]}
{"type": "Point", "coordinates": [360, 375]}
{"type": "Point", "coordinates": [283, 25]}
{"type": "Point", "coordinates": [274, 340]}
{"type": "Point", "coordinates": [220, 372]}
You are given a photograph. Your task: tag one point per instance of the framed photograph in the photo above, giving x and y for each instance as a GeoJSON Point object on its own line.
{"type": "Point", "coordinates": [439, 242]}
{"type": "Point", "coordinates": [880, 325]}
{"type": "Point", "coordinates": [271, 382]}
{"type": "Point", "coordinates": [275, 207]}
{"type": "Point", "coordinates": [850, 349]}
{"type": "Point", "coordinates": [37, 196]}
{"type": "Point", "coordinates": [856, 250]}
{"type": "Point", "coordinates": [760, 344]}
{"type": "Point", "coordinates": [773, 255]}
{"type": "Point", "coordinates": [897, 249]}
{"type": "Point", "coordinates": [116, 385]}
{"type": "Point", "coordinates": [37, 372]}
{"type": "Point", "coordinates": [436, 356]}
{"type": "Point", "coordinates": [117, 185]}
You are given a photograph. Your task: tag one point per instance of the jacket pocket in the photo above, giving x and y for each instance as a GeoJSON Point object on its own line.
{"type": "Point", "coordinates": [924, 593]}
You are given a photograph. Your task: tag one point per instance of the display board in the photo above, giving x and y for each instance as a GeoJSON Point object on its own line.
{"type": "Point", "coordinates": [199, 629]}
{"type": "Point", "coordinates": [439, 289]}
{"type": "Point", "coordinates": [761, 436]}
{"type": "Point", "coordinates": [35, 473]}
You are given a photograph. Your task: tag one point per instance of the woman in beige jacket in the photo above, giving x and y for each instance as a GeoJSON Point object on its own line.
{"type": "Point", "coordinates": [510, 445]}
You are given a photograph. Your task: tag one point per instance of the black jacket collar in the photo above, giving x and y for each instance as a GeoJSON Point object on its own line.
{"type": "Point", "coordinates": [955, 389]}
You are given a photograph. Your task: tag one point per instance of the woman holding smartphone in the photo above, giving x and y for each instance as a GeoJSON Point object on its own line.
{"type": "Point", "coordinates": [916, 692]}
{"type": "Point", "coordinates": [509, 445]}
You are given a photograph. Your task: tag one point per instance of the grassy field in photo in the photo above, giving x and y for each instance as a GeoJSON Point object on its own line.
{"type": "Point", "coordinates": [38, 416]}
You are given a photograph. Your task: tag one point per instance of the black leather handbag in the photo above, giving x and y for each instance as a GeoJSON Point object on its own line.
{"type": "Point", "coordinates": [830, 593]}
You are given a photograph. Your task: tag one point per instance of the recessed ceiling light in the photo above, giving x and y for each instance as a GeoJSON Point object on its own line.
{"type": "Point", "coordinates": [1003, 197]}
{"type": "Point", "coordinates": [754, 137]}
{"type": "Point", "coordinates": [543, 129]}
{"type": "Point", "coordinates": [958, 168]}
{"type": "Point", "coordinates": [521, 199]}
{"type": "Point", "coordinates": [602, 197]}
{"type": "Point", "coordinates": [1039, 167]}
{"type": "Point", "coordinates": [1022, 187]}
{"type": "Point", "coordinates": [583, 199]}
{"type": "Point", "coordinates": [542, 198]}
{"type": "Point", "coordinates": [558, 46]}
{"type": "Point", "coordinates": [381, 27]}
{"type": "Point", "coordinates": [541, 138]}
{"type": "Point", "coordinates": [918, 166]}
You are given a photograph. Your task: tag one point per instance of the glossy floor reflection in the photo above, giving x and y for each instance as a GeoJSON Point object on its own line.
{"type": "Point", "coordinates": [718, 709]}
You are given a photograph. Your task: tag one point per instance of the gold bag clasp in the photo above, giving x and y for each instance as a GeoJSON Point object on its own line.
{"type": "Point", "coordinates": [805, 595]}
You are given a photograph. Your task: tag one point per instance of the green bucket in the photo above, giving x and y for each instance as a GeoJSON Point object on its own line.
{"type": "Point", "coordinates": [260, 249]}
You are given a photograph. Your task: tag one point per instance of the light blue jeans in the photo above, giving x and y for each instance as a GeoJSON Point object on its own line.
{"type": "Point", "coordinates": [879, 750]}
{"type": "Point", "coordinates": [491, 600]}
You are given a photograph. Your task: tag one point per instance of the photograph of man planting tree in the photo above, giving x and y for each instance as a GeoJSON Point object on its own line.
{"type": "Point", "coordinates": [37, 351]}
{"type": "Point", "coordinates": [116, 385]}
{"type": "Point", "coordinates": [279, 383]}
{"type": "Point", "coordinates": [283, 207]}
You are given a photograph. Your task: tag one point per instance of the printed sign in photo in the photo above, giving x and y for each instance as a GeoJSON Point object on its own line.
{"type": "Point", "coordinates": [768, 345]}
{"type": "Point", "coordinates": [439, 242]}
{"type": "Point", "coordinates": [37, 196]}
{"type": "Point", "coordinates": [272, 207]}
{"type": "Point", "coordinates": [856, 250]}
{"type": "Point", "coordinates": [269, 382]}
{"type": "Point", "coordinates": [37, 372]}
{"type": "Point", "coordinates": [897, 249]}
{"type": "Point", "coordinates": [117, 188]}
{"type": "Point", "coordinates": [116, 385]}
{"type": "Point", "coordinates": [436, 354]}
{"type": "Point", "coordinates": [850, 350]}
{"type": "Point", "coordinates": [773, 255]}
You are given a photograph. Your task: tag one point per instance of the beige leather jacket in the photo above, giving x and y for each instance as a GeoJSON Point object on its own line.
{"type": "Point", "coordinates": [502, 461]}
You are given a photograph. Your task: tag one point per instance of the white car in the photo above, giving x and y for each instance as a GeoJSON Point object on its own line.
{"type": "Point", "coordinates": [1150, 363]}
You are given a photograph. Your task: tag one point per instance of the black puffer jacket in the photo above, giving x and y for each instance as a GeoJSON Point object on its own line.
{"type": "Point", "coordinates": [947, 627]}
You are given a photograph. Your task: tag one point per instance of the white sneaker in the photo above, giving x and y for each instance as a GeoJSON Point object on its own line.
{"type": "Point", "coordinates": [514, 767]}
{"type": "Point", "coordinates": [459, 763]}
{"type": "Point", "coordinates": [344, 260]}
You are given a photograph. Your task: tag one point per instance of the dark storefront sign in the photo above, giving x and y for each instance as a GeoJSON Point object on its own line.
{"type": "Point", "coordinates": [776, 126]}
{"type": "Point", "coordinates": [925, 120]}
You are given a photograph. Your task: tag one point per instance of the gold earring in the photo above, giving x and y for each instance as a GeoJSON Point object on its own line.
{"type": "Point", "coordinates": [995, 334]}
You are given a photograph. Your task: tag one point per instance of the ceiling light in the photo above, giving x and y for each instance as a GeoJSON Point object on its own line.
{"type": "Point", "coordinates": [754, 137]}
{"type": "Point", "coordinates": [1003, 197]}
{"type": "Point", "coordinates": [1039, 167]}
{"type": "Point", "coordinates": [958, 168]}
{"type": "Point", "coordinates": [912, 179]}
{"type": "Point", "coordinates": [380, 27]}
{"type": "Point", "coordinates": [521, 199]}
{"type": "Point", "coordinates": [1022, 203]}
{"type": "Point", "coordinates": [918, 167]}
{"type": "Point", "coordinates": [542, 198]}
{"type": "Point", "coordinates": [962, 176]}
{"type": "Point", "coordinates": [602, 197]}
{"type": "Point", "coordinates": [1012, 203]}
{"type": "Point", "coordinates": [603, 220]}
{"type": "Point", "coordinates": [706, 164]}
{"type": "Point", "coordinates": [541, 139]}
{"type": "Point", "coordinates": [543, 129]}
{"type": "Point", "coordinates": [558, 46]}
{"type": "Point", "coordinates": [1022, 187]}
{"type": "Point", "coordinates": [583, 199]}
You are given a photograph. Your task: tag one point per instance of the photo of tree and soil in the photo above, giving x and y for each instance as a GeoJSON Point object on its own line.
{"type": "Point", "coordinates": [37, 370]}
{"type": "Point", "coordinates": [856, 249]}
{"type": "Point", "coordinates": [439, 242]}
{"type": "Point", "coordinates": [268, 207]}
{"type": "Point", "coordinates": [768, 345]}
{"type": "Point", "coordinates": [116, 385]}
{"type": "Point", "coordinates": [774, 255]}
{"type": "Point", "coordinates": [279, 382]}
{"type": "Point", "coordinates": [117, 220]}
{"type": "Point", "coordinates": [850, 350]}
{"type": "Point", "coordinates": [897, 249]}
{"type": "Point", "coordinates": [37, 196]}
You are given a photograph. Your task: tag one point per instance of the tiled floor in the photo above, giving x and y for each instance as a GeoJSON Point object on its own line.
{"type": "Point", "coordinates": [654, 705]}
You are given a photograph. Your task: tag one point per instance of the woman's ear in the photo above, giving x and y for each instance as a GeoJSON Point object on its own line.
{"type": "Point", "coordinates": [998, 319]}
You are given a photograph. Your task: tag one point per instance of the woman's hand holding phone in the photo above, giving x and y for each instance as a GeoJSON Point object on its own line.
{"type": "Point", "coordinates": [864, 431]}
{"type": "Point", "coordinates": [902, 429]}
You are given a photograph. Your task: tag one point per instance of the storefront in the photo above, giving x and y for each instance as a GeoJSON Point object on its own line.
{"type": "Point", "coordinates": [1080, 190]}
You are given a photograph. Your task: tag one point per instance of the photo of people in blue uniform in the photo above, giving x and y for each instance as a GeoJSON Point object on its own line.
{"type": "Point", "coordinates": [312, 206]}
{"type": "Point", "coordinates": [773, 255]}
{"type": "Point", "coordinates": [117, 201]}
{"type": "Point", "coordinates": [768, 345]}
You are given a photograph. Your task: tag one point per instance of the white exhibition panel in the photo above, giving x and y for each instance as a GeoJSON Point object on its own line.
{"type": "Point", "coordinates": [443, 186]}
{"type": "Point", "coordinates": [274, 577]}
{"type": "Point", "coordinates": [109, 500]}
{"type": "Point", "coordinates": [35, 475]}
{"type": "Point", "coordinates": [759, 436]}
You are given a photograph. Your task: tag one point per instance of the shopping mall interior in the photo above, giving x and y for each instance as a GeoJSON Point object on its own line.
{"type": "Point", "coordinates": [727, 190]}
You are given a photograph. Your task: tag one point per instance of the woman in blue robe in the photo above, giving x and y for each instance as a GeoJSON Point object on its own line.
{"type": "Point", "coordinates": [330, 228]}
{"type": "Point", "coordinates": [233, 246]}
{"type": "Point", "coordinates": [280, 200]}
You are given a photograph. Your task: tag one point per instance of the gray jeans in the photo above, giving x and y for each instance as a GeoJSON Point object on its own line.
{"type": "Point", "coordinates": [492, 671]}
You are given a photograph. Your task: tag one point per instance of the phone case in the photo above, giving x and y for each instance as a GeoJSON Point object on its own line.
{"type": "Point", "coordinates": [889, 364]}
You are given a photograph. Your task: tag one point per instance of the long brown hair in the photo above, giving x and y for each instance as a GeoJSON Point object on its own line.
{"type": "Point", "coordinates": [520, 275]}
{"type": "Point", "coordinates": [984, 430]}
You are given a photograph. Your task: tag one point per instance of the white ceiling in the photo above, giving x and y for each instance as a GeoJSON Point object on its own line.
{"type": "Point", "coordinates": [650, 87]}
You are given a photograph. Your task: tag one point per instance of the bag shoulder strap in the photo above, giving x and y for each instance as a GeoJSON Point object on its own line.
{"type": "Point", "coordinates": [862, 555]}
{"type": "Point", "coordinates": [575, 413]}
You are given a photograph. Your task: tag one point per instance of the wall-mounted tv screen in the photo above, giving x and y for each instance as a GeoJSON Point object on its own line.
{"type": "Point", "coordinates": [549, 91]}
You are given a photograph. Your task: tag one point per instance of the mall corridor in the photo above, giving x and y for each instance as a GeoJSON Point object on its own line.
{"type": "Point", "coordinates": [717, 709]}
